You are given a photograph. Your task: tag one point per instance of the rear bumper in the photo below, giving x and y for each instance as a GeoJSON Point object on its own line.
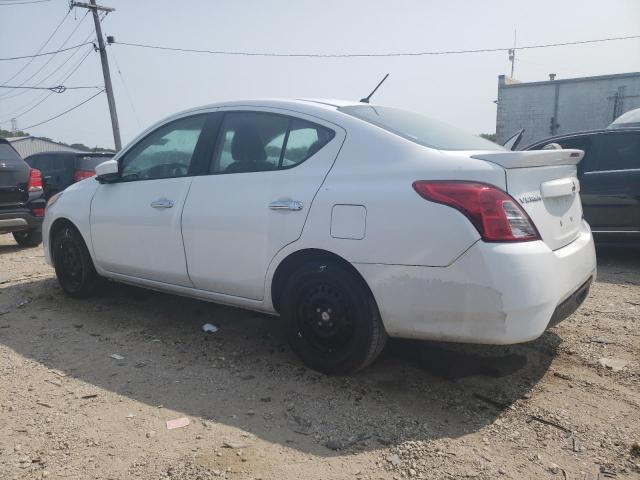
{"type": "Point", "coordinates": [494, 293]}
{"type": "Point", "coordinates": [19, 220]}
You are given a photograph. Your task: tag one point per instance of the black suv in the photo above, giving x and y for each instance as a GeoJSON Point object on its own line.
{"type": "Point", "coordinates": [609, 177]}
{"type": "Point", "coordinates": [61, 169]}
{"type": "Point", "coordinates": [21, 198]}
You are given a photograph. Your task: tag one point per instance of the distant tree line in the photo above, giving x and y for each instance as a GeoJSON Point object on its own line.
{"type": "Point", "coordinates": [489, 136]}
{"type": "Point", "coordinates": [77, 146]}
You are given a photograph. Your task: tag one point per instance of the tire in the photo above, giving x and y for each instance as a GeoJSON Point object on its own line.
{"type": "Point", "coordinates": [72, 262]}
{"type": "Point", "coordinates": [331, 319]}
{"type": "Point", "coordinates": [28, 238]}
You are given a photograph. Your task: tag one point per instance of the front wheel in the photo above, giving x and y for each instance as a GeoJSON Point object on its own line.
{"type": "Point", "coordinates": [28, 238]}
{"type": "Point", "coordinates": [331, 319]}
{"type": "Point", "coordinates": [72, 262]}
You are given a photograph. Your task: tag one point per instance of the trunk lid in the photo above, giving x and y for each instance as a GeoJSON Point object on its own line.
{"type": "Point", "coordinates": [14, 176]}
{"type": "Point", "coordinates": [545, 184]}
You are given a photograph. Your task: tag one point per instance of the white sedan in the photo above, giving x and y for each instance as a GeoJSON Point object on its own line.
{"type": "Point", "coordinates": [351, 221]}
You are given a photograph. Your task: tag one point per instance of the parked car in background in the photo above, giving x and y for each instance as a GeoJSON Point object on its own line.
{"type": "Point", "coordinates": [630, 119]}
{"type": "Point", "coordinates": [61, 169]}
{"type": "Point", "coordinates": [351, 221]}
{"type": "Point", "coordinates": [21, 200]}
{"type": "Point", "coordinates": [609, 178]}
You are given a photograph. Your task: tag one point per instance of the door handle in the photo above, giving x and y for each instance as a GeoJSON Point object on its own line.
{"type": "Point", "coordinates": [294, 205]}
{"type": "Point", "coordinates": [162, 203]}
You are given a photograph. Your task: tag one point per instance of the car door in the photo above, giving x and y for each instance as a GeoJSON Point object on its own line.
{"type": "Point", "coordinates": [135, 221]}
{"type": "Point", "coordinates": [264, 172]}
{"type": "Point", "coordinates": [610, 183]}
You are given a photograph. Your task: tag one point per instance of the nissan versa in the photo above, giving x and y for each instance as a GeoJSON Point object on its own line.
{"type": "Point", "coordinates": [351, 221]}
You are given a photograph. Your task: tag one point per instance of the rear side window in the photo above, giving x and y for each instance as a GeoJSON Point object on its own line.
{"type": "Point", "coordinates": [33, 161]}
{"type": "Point", "coordinates": [619, 151]}
{"type": "Point", "coordinates": [258, 142]}
{"type": "Point", "coordinates": [420, 129]}
{"type": "Point", "coordinates": [8, 155]}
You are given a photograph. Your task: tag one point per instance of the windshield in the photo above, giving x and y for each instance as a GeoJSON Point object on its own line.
{"type": "Point", "coordinates": [420, 129]}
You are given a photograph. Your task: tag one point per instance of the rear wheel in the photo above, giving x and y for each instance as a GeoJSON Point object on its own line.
{"type": "Point", "coordinates": [331, 319]}
{"type": "Point", "coordinates": [28, 238]}
{"type": "Point", "coordinates": [72, 261]}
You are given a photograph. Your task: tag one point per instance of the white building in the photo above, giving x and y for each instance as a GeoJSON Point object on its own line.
{"type": "Point", "coordinates": [558, 106]}
{"type": "Point", "coordinates": [29, 145]}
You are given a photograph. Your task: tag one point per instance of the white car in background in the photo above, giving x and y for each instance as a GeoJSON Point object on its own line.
{"type": "Point", "coordinates": [351, 221]}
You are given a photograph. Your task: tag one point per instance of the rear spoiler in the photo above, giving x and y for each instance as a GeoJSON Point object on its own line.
{"type": "Point", "coordinates": [532, 158]}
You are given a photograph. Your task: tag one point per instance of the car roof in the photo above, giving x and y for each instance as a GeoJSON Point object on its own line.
{"type": "Point", "coordinates": [585, 132]}
{"type": "Point", "coordinates": [310, 106]}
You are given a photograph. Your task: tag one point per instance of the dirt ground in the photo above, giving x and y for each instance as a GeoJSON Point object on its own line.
{"type": "Point", "coordinates": [68, 409]}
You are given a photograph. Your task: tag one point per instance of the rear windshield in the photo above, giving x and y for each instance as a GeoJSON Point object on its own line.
{"type": "Point", "coordinates": [420, 129]}
{"type": "Point", "coordinates": [88, 162]}
{"type": "Point", "coordinates": [8, 154]}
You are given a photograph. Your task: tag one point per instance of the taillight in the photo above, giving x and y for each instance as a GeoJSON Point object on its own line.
{"type": "Point", "coordinates": [494, 213]}
{"type": "Point", "coordinates": [38, 212]}
{"type": "Point", "coordinates": [82, 174]}
{"type": "Point", "coordinates": [35, 180]}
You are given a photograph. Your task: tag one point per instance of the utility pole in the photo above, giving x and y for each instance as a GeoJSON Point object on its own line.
{"type": "Point", "coordinates": [105, 66]}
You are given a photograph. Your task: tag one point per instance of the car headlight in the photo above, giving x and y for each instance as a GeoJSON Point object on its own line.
{"type": "Point", "coordinates": [52, 199]}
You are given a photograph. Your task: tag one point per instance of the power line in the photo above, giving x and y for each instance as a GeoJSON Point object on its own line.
{"type": "Point", "coordinates": [390, 54]}
{"type": "Point", "coordinates": [63, 113]}
{"type": "Point", "coordinates": [56, 89]}
{"type": "Point", "coordinates": [43, 66]}
{"type": "Point", "coordinates": [126, 89]}
{"type": "Point", "coordinates": [41, 48]}
{"type": "Point", "coordinates": [53, 72]}
{"type": "Point", "coordinates": [23, 3]}
{"type": "Point", "coordinates": [46, 96]}
{"type": "Point", "coordinates": [46, 53]}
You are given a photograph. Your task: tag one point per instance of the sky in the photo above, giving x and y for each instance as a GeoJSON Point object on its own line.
{"type": "Point", "coordinates": [152, 84]}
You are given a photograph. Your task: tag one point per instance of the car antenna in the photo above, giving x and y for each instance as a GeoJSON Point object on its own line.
{"type": "Point", "coordinates": [366, 99]}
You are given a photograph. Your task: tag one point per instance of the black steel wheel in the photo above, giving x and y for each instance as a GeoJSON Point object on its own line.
{"type": "Point", "coordinates": [28, 238]}
{"type": "Point", "coordinates": [74, 267]}
{"type": "Point", "coordinates": [331, 319]}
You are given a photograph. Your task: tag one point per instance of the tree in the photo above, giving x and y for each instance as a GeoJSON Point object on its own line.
{"type": "Point", "coordinates": [8, 134]}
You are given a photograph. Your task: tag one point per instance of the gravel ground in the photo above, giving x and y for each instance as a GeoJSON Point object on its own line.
{"type": "Point", "coordinates": [551, 408]}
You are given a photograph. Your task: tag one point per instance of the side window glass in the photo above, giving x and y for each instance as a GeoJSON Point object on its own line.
{"type": "Point", "coordinates": [619, 151]}
{"type": "Point", "coordinates": [249, 142]}
{"type": "Point", "coordinates": [303, 141]}
{"type": "Point", "coordinates": [33, 161]}
{"type": "Point", "coordinates": [256, 142]}
{"type": "Point", "coordinates": [165, 153]}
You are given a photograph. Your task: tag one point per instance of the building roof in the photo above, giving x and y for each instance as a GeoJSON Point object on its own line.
{"type": "Point", "coordinates": [29, 145]}
{"type": "Point", "coordinates": [510, 83]}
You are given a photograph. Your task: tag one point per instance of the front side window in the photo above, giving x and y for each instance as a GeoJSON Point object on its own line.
{"type": "Point", "coordinates": [258, 142]}
{"type": "Point", "coordinates": [165, 153]}
{"type": "Point", "coordinates": [420, 129]}
{"type": "Point", "coordinates": [619, 151]}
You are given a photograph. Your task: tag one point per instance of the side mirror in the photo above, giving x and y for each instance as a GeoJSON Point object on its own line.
{"type": "Point", "coordinates": [107, 172]}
